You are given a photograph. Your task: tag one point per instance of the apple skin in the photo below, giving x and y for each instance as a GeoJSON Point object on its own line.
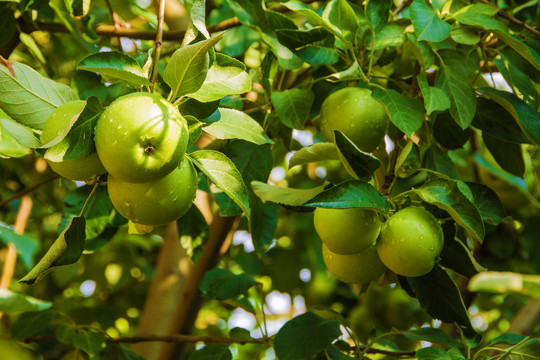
{"type": "Point", "coordinates": [86, 168]}
{"type": "Point", "coordinates": [360, 268]}
{"type": "Point", "coordinates": [141, 137]}
{"type": "Point", "coordinates": [347, 231]}
{"type": "Point", "coordinates": [410, 242]}
{"type": "Point", "coordinates": [156, 202]}
{"type": "Point", "coordinates": [354, 112]}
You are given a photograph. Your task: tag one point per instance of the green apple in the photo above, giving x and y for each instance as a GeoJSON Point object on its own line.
{"type": "Point", "coordinates": [347, 231]}
{"type": "Point", "coordinates": [360, 268]}
{"type": "Point", "coordinates": [86, 168]}
{"type": "Point", "coordinates": [354, 112]}
{"type": "Point", "coordinates": [155, 202]}
{"type": "Point", "coordinates": [141, 137]}
{"type": "Point", "coordinates": [411, 240]}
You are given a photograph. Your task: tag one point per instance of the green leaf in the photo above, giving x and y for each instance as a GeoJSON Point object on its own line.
{"type": "Point", "coordinates": [508, 155]}
{"type": "Point", "coordinates": [317, 152]}
{"type": "Point", "coordinates": [13, 349]}
{"type": "Point", "coordinates": [408, 161]}
{"type": "Point", "coordinates": [341, 17]}
{"type": "Point", "coordinates": [12, 303]}
{"type": "Point", "coordinates": [99, 212]}
{"type": "Point", "coordinates": [519, 80]}
{"type": "Point", "coordinates": [405, 112]}
{"type": "Point", "coordinates": [65, 250]}
{"type": "Point", "coordinates": [446, 195]}
{"type": "Point", "coordinates": [284, 196]}
{"type": "Point", "coordinates": [212, 352]}
{"type": "Point", "coordinates": [77, 138]}
{"type": "Point", "coordinates": [25, 246]}
{"type": "Point", "coordinates": [468, 16]}
{"type": "Point", "coordinates": [88, 341]}
{"type": "Point", "coordinates": [432, 335]}
{"type": "Point", "coordinates": [495, 120]}
{"type": "Point", "coordinates": [527, 118]}
{"type": "Point", "coordinates": [461, 94]}
{"type": "Point", "coordinates": [455, 255]}
{"type": "Point", "coordinates": [226, 76]}
{"type": "Point", "coordinates": [224, 174]}
{"type": "Point", "coordinates": [234, 124]}
{"type": "Point", "coordinates": [392, 34]}
{"type": "Point", "coordinates": [351, 193]}
{"type": "Point", "coordinates": [9, 146]}
{"type": "Point", "coordinates": [448, 133]}
{"type": "Point", "coordinates": [358, 163]}
{"type": "Point", "coordinates": [377, 14]}
{"type": "Point", "coordinates": [427, 24]}
{"type": "Point", "coordinates": [32, 323]}
{"type": "Point", "coordinates": [188, 67]}
{"type": "Point", "coordinates": [295, 38]}
{"type": "Point", "coordinates": [293, 106]}
{"type": "Point", "coordinates": [264, 219]}
{"type": "Point", "coordinates": [23, 134]}
{"type": "Point", "coordinates": [197, 21]}
{"type": "Point", "coordinates": [222, 284]}
{"type": "Point", "coordinates": [114, 66]}
{"type": "Point", "coordinates": [28, 97]}
{"type": "Point", "coordinates": [504, 282]}
{"type": "Point", "coordinates": [194, 232]}
{"type": "Point", "coordinates": [435, 99]}
{"type": "Point", "coordinates": [439, 161]}
{"type": "Point", "coordinates": [440, 298]}
{"type": "Point", "coordinates": [306, 11]}
{"type": "Point", "coordinates": [304, 336]}
{"type": "Point", "coordinates": [432, 353]}
{"type": "Point", "coordinates": [521, 48]}
{"type": "Point", "coordinates": [239, 333]}
{"type": "Point", "coordinates": [317, 55]}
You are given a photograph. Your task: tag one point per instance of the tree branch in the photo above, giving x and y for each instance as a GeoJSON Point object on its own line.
{"type": "Point", "coordinates": [157, 338]}
{"type": "Point", "coordinates": [157, 49]}
{"type": "Point", "coordinates": [510, 18]}
{"type": "Point", "coordinates": [28, 189]}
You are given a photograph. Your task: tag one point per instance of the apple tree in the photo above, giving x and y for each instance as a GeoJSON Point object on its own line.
{"type": "Point", "coordinates": [258, 179]}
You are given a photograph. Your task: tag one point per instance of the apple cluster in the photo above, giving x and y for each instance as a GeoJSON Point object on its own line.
{"type": "Point", "coordinates": [141, 141]}
{"type": "Point", "coordinates": [358, 248]}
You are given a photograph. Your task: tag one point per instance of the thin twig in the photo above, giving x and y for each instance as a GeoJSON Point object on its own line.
{"type": "Point", "coordinates": [158, 338]}
{"type": "Point", "coordinates": [402, 7]}
{"type": "Point", "coordinates": [159, 40]}
{"type": "Point", "coordinates": [115, 22]}
{"type": "Point", "coordinates": [509, 17]}
{"type": "Point", "coordinates": [28, 189]}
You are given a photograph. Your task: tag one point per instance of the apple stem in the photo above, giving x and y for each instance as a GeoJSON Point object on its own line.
{"type": "Point", "coordinates": [88, 198]}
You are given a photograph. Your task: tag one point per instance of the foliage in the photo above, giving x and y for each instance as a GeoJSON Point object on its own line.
{"type": "Point", "coordinates": [459, 82]}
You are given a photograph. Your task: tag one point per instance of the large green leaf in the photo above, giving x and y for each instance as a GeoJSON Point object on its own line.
{"type": "Point", "coordinates": [13, 303]}
{"type": "Point", "coordinates": [495, 120]}
{"type": "Point", "coordinates": [304, 336]}
{"type": "Point", "coordinates": [435, 99]}
{"type": "Point", "coordinates": [461, 94]}
{"type": "Point", "coordinates": [284, 196]}
{"type": "Point", "coordinates": [65, 250]}
{"type": "Point", "coordinates": [114, 66]}
{"type": "Point", "coordinates": [23, 134]}
{"type": "Point", "coordinates": [377, 14]}
{"type": "Point", "coordinates": [226, 76]}
{"type": "Point", "coordinates": [427, 24]}
{"type": "Point", "coordinates": [25, 246]}
{"type": "Point", "coordinates": [222, 284]}
{"type": "Point", "coordinates": [446, 194]}
{"type": "Point", "coordinates": [518, 79]}
{"type": "Point", "coordinates": [455, 255]}
{"type": "Point", "coordinates": [317, 152]}
{"type": "Point", "coordinates": [188, 67]}
{"type": "Point", "coordinates": [440, 297]}
{"type": "Point", "coordinates": [405, 112]}
{"type": "Point", "coordinates": [28, 97]}
{"type": "Point", "coordinates": [351, 193]}
{"type": "Point", "coordinates": [341, 17]}
{"type": "Point", "coordinates": [359, 164]}
{"type": "Point", "coordinates": [527, 118]}
{"type": "Point", "coordinates": [504, 282]}
{"type": "Point", "coordinates": [293, 106]}
{"type": "Point", "coordinates": [224, 174]}
{"type": "Point", "coordinates": [234, 124]}
{"type": "Point", "coordinates": [77, 138]}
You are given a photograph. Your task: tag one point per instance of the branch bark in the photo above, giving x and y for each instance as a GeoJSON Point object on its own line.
{"type": "Point", "coordinates": [169, 278]}
{"type": "Point", "coordinates": [190, 299]}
